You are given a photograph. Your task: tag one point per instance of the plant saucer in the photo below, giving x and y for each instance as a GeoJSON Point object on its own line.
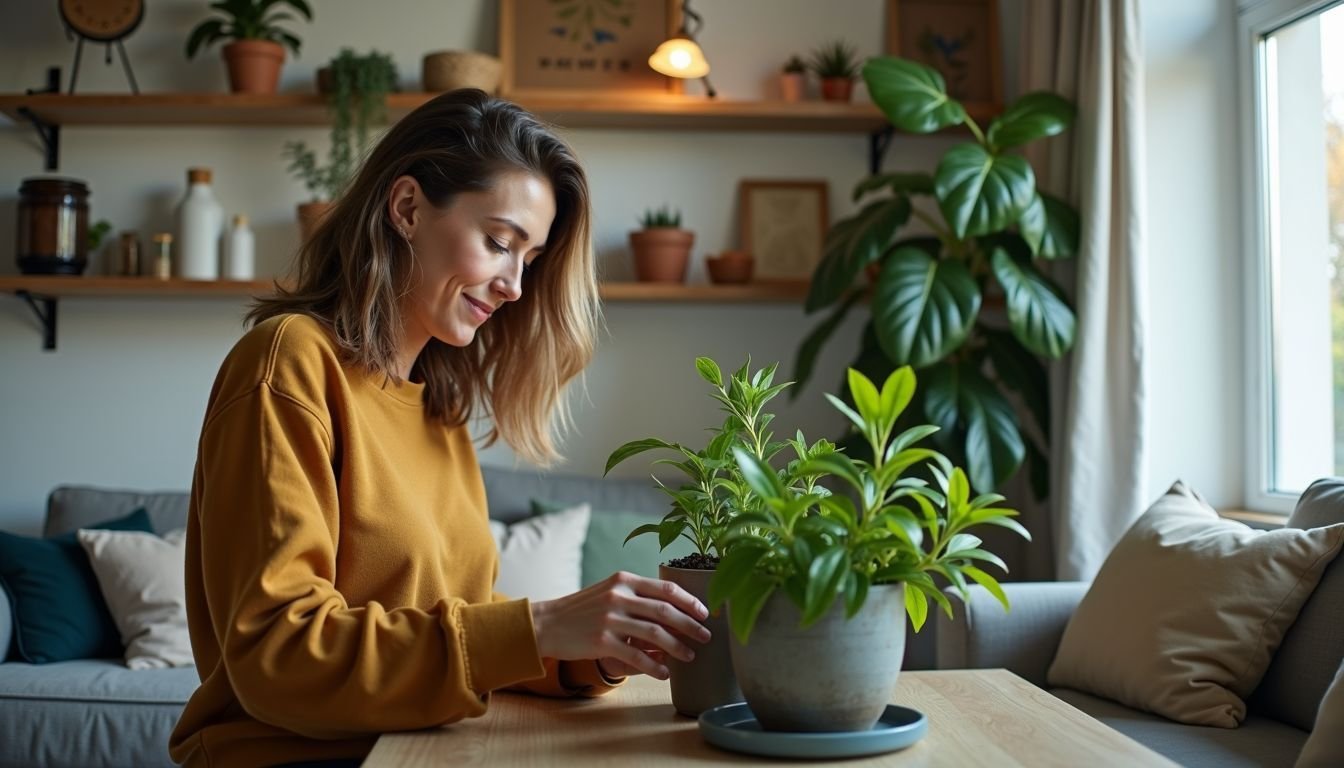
{"type": "Point", "coordinates": [734, 727]}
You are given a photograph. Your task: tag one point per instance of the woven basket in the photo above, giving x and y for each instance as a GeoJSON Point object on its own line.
{"type": "Point", "coordinates": [450, 70]}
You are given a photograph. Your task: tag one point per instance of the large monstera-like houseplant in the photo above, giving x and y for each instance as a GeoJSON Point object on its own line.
{"type": "Point", "coordinates": [933, 247]}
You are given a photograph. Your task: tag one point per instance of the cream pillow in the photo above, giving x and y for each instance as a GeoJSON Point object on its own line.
{"type": "Point", "coordinates": [142, 578]}
{"type": "Point", "coordinates": [541, 558]}
{"type": "Point", "coordinates": [1325, 747]}
{"type": "Point", "coordinates": [1186, 612]}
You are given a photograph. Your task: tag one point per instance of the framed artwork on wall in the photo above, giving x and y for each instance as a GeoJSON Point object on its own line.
{"type": "Point", "coordinates": [959, 38]}
{"type": "Point", "coordinates": [584, 47]}
{"type": "Point", "coordinates": [783, 225]}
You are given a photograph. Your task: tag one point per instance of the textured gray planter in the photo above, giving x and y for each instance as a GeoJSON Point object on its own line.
{"type": "Point", "coordinates": [707, 680]}
{"type": "Point", "coordinates": [836, 675]}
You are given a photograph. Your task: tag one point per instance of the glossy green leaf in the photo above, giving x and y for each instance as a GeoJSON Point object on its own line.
{"type": "Point", "coordinates": [961, 401]}
{"type": "Point", "coordinates": [835, 464]}
{"type": "Point", "coordinates": [633, 448]}
{"type": "Point", "coordinates": [851, 245]}
{"type": "Point", "coordinates": [856, 592]}
{"type": "Point", "coordinates": [980, 192]}
{"type": "Point", "coordinates": [917, 606]}
{"type": "Point", "coordinates": [824, 578]}
{"type": "Point", "coordinates": [989, 583]}
{"type": "Point", "coordinates": [865, 396]}
{"type": "Point", "coordinates": [897, 392]}
{"type": "Point", "coordinates": [912, 96]}
{"type": "Point", "coordinates": [1038, 316]}
{"type": "Point", "coordinates": [1033, 116]}
{"type": "Point", "coordinates": [1050, 227]}
{"type": "Point", "coordinates": [746, 604]}
{"type": "Point", "coordinates": [641, 530]}
{"type": "Point", "coordinates": [901, 183]}
{"type": "Point", "coordinates": [923, 308]}
{"type": "Point", "coordinates": [732, 572]}
{"type": "Point", "coordinates": [1022, 372]}
{"type": "Point", "coordinates": [709, 371]}
{"type": "Point", "coordinates": [760, 476]}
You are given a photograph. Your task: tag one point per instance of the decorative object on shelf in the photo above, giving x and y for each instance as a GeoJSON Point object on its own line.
{"type": "Point", "coordinates": [837, 64]}
{"type": "Point", "coordinates": [102, 21]}
{"type": "Point", "coordinates": [373, 73]}
{"type": "Point", "coordinates": [959, 39]}
{"type": "Point", "coordinates": [680, 56]}
{"type": "Point", "coordinates": [257, 52]}
{"type": "Point", "coordinates": [200, 222]}
{"type": "Point", "coordinates": [310, 216]}
{"type": "Point", "coordinates": [53, 226]}
{"type": "Point", "coordinates": [239, 251]}
{"type": "Point", "coordinates": [783, 224]}
{"type": "Point", "coordinates": [730, 267]}
{"type": "Point", "coordinates": [793, 80]}
{"type": "Point", "coordinates": [662, 248]}
{"type": "Point", "coordinates": [584, 47]}
{"type": "Point", "coordinates": [163, 255]}
{"type": "Point", "coordinates": [443, 71]}
{"type": "Point", "coordinates": [128, 255]}
{"type": "Point", "coordinates": [990, 225]}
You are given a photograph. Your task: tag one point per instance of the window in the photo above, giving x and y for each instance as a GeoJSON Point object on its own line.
{"type": "Point", "coordinates": [1293, 62]}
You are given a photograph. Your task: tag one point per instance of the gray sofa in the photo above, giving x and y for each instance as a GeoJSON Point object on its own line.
{"type": "Point", "coordinates": [90, 713]}
{"type": "Point", "coordinates": [1281, 711]}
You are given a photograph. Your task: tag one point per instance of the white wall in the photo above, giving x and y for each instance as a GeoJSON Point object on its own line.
{"type": "Point", "coordinates": [120, 402]}
{"type": "Point", "coordinates": [1194, 343]}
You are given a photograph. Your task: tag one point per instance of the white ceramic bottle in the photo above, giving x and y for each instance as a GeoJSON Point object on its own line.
{"type": "Point", "coordinates": [239, 251]}
{"type": "Point", "coordinates": [199, 223]}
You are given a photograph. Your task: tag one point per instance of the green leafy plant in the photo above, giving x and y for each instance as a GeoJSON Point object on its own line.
{"type": "Point", "coordinates": [358, 101]}
{"type": "Point", "coordinates": [818, 546]}
{"type": "Point", "coordinates": [837, 59]}
{"type": "Point", "coordinates": [795, 65]}
{"type": "Point", "coordinates": [663, 218]}
{"type": "Point", "coordinates": [97, 233]}
{"type": "Point", "coordinates": [248, 20]}
{"type": "Point", "coordinates": [940, 243]}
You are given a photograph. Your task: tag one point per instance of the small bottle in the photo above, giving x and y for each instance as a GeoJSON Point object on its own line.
{"type": "Point", "coordinates": [200, 221]}
{"type": "Point", "coordinates": [239, 251]}
{"type": "Point", "coordinates": [128, 255]}
{"type": "Point", "coordinates": [163, 256]}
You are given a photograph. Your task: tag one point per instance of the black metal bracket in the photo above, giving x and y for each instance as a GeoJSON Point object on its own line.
{"type": "Point", "coordinates": [879, 142]}
{"type": "Point", "coordinates": [45, 309]}
{"type": "Point", "coordinates": [49, 133]}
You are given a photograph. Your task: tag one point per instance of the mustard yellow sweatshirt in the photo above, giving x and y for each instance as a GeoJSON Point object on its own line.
{"type": "Point", "coordinates": [339, 565]}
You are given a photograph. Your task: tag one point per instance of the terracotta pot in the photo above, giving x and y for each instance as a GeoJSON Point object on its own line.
{"type": "Point", "coordinates": [254, 65]}
{"type": "Point", "coordinates": [792, 86]}
{"type": "Point", "coordinates": [836, 88]}
{"type": "Point", "coordinates": [310, 215]}
{"type": "Point", "coordinates": [662, 254]}
{"type": "Point", "coordinates": [707, 680]}
{"type": "Point", "coordinates": [730, 267]}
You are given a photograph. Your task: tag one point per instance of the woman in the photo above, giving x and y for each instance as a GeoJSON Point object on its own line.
{"type": "Point", "coordinates": [339, 562]}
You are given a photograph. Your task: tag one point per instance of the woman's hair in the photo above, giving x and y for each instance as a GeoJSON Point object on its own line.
{"type": "Point", "coordinates": [354, 270]}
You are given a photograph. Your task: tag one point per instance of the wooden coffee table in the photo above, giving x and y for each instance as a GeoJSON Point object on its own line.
{"type": "Point", "coordinates": [976, 717]}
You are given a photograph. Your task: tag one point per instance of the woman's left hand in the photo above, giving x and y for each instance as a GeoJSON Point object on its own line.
{"type": "Point", "coordinates": [615, 668]}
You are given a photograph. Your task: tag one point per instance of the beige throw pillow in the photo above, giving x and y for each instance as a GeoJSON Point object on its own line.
{"type": "Point", "coordinates": [142, 578]}
{"type": "Point", "coordinates": [541, 558]}
{"type": "Point", "coordinates": [1185, 614]}
{"type": "Point", "coordinates": [1325, 747]}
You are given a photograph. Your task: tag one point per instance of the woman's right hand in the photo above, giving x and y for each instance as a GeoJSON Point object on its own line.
{"type": "Point", "coordinates": [618, 617]}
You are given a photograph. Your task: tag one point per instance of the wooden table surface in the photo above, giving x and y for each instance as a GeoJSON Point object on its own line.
{"type": "Point", "coordinates": [976, 718]}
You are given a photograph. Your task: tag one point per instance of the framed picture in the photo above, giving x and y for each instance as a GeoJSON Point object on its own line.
{"type": "Point", "coordinates": [959, 38]}
{"type": "Point", "coordinates": [584, 47]}
{"type": "Point", "coordinates": [783, 224]}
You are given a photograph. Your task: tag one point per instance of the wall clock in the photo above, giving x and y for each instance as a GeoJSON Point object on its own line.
{"type": "Point", "coordinates": [102, 21]}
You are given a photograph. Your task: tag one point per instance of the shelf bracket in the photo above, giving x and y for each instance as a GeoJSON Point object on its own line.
{"type": "Point", "coordinates": [45, 309]}
{"type": "Point", "coordinates": [49, 133]}
{"type": "Point", "coordinates": [879, 142]}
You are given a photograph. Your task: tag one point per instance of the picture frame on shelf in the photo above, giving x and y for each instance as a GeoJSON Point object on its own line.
{"type": "Point", "coordinates": [959, 38]}
{"type": "Point", "coordinates": [584, 48]}
{"type": "Point", "coordinates": [783, 223]}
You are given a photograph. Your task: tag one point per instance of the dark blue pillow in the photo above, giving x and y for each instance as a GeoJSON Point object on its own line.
{"type": "Point", "coordinates": [59, 612]}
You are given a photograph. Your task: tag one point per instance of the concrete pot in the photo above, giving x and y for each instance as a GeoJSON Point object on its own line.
{"type": "Point", "coordinates": [662, 254]}
{"type": "Point", "coordinates": [707, 680]}
{"type": "Point", "coordinates": [836, 675]}
{"type": "Point", "coordinates": [254, 65]}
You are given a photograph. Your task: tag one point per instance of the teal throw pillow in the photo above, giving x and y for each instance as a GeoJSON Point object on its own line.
{"type": "Point", "coordinates": [59, 612]}
{"type": "Point", "coordinates": [603, 550]}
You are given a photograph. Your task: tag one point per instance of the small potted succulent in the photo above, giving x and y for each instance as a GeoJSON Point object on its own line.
{"type": "Point", "coordinates": [827, 556]}
{"type": "Point", "coordinates": [703, 508]}
{"type": "Point", "coordinates": [257, 52]}
{"type": "Point", "coordinates": [793, 80]}
{"type": "Point", "coordinates": [662, 248]}
{"type": "Point", "coordinates": [837, 64]}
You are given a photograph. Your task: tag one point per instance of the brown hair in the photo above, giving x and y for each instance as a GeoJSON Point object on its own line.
{"type": "Point", "coordinates": [352, 273]}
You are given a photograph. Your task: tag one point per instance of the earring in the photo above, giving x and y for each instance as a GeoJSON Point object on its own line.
{"type": "Point", "coordinates": [402, 230]}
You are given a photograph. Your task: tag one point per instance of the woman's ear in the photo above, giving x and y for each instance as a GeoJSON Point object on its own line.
{"type": "Point", "coordinates": [404, 205]}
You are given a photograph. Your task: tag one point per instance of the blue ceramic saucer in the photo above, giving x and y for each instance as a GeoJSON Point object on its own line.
{"type": "Point", "coordinates": [734, 727]}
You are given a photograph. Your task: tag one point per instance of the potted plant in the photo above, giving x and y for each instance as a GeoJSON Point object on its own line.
{"type": "Point", "coordinates": [357, 101]}
{"type": "Point", "coordinates": [990, 228]}
{"type": "Point", "coordinates": [793, 80]}
{"type": "Point", "coordinates": [817, 579]}
{"type": "Point", "coordinates": [837, 64]}
{"type": "Point", "coordinates": [702, 509]}
{"type": "Point", "coordinates": [257, 52]}
{"type": "Point", "coordinates": [662, 248]}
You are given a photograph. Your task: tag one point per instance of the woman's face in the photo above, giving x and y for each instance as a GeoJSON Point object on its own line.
{"type": "Point", "coordinates": [470, 256]}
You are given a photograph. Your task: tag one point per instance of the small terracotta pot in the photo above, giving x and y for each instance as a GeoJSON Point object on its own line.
{"type": "Point", "coordinates": [730, 267]}
{"type": "Point", "coordinates": [311, 215]}
{"type": "Point", "coordinates": [662, 254]}
{"type": "Point", "coordinates": [792, 86]}
{"type": "Point", "coordinates": [254, 65]}
{"type": "Point", "coordinates": [836, 88]}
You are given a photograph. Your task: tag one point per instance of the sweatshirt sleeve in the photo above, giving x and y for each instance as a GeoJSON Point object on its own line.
{"type": "Point", "coordinates": [582, 678]}
{"type": "Point", "coordinates": [297, 656]}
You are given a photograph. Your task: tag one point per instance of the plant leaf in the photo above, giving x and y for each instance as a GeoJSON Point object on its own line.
{"type": "Point", "coordinates": [824, 577]}
{"type": "Point", "coordinates": [897, 391]}
{"type": "Point", "coordinates": [923, 308]}
{"type": "Point", "coordinates": [900, 183]}
{"type": "Point", "coordinates": [759, 476]}
{"type": "Point", "coordinates": [856, 592]}
{"type": "Point", "coordinates": [979, 192]}
{"type": "Point", "coordinates": [912, 96]}
{"type": "Point", "coordinates": [746, 604]}
{"type": "Point", "coordinates": [1021, 371]}
{"type": "Point", "coordinates": [668, 531]}
{"type": "Point", "coordinates": [811, 346]}
{"type": "Point", "coordinates": [641, 530]}
{"type": "Point", "coordinates": [1033, 116]}
{"type": "Point", "coordinates": [633, 448]}
{"type": "Point", "coordinates": [865, 396]}
{"type": "Point", "coordinates": [732, 572]}
{"type": "Point", "coordinates": [851, 245]}
{"type": "Point", "coordinates": [917, 605]}
{"type": "Point", "coordinates": [709, 371]}
{"type": "Point", "coordinates": [1061, 231]}
{"type": "Point", "coordinates": [1039, 317]}
{"type": "Point", "coordinates": [988, 582]}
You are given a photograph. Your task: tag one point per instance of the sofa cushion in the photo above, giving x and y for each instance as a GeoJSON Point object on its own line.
{"type": "Point", "coordinates": [90, 713]}
{"type": "Point", "coordinates": [142, 579]}
{"type": "Point", "coordinates": [1313, 648]}
{"type": "Point", "coordinates": [541, 558]}
{"type": "Point", "coordinates": [1259, 741]}
{"type": "Point", "coordinates": [1325, 746]}
{"type": "Point", "coordinates": [70, 508]}
{"type": "Point", "coordinates": [509, 492]}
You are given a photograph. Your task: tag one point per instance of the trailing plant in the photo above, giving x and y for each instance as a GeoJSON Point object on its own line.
{"type": "Point", "coordinates": [663, 218]}
{"type": "Point", "coordinates": [887, 528]}
{"type": "Point", "coordinates": [357, 102]}
{"type": "Point", "coordinates": [249, 20]}
{"type": "Point", "coordinates": [837, 59]}
{"type": "Point", "coordinates": [940, 243]}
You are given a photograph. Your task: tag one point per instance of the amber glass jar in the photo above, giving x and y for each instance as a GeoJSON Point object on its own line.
{"type": "Point", "coordinates": [53, 226]}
